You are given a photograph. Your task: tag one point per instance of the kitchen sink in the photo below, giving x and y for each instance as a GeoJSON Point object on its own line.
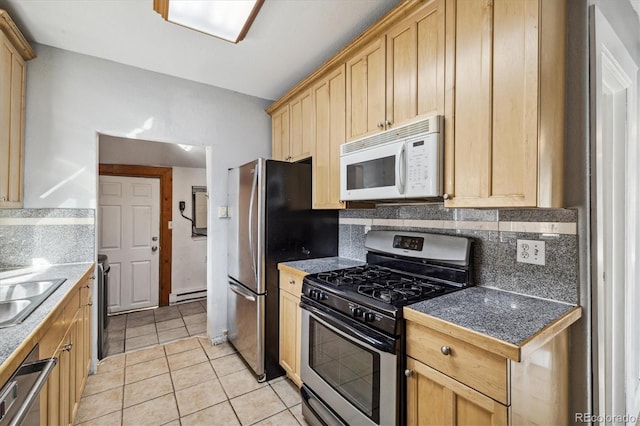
{"type": "Point", "coordinates": [19, 300]}
{"type": "Point", "coordinates": [10, 310]}
{"type": "Point", "coordinates": [24, 290]}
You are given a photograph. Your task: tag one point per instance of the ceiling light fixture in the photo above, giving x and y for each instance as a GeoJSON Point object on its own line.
{"type": "Point", "coordinates": [226, 19]}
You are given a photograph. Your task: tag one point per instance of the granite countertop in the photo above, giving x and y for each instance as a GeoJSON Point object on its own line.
{"type": "Point", "coordinates": [12, 337]}
{"type": "Point", "coordinates": [509, 317]}
{"type": "Point", "coordinates": [324, 264]}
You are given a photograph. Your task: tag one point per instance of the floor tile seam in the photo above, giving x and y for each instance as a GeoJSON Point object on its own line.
{"type": "Point", "coordinates": [273, 415]}
{"type": "Point", "coordinates": [235, 413]}
{"type": "Point", "coordinates": [103, 414]}
{"type": "Point", "coordinates": [206, 408]}
{"type": "Point", "coordinates": [173, 391]}
{"type": "Point", "coordinates": [278, 395]}
{"type": "Point", "coordinates": [145, 378]}
{"type": "Point", "coordinates": [193, 365]}
{"type": "Point", "coordinates": [175, 401]}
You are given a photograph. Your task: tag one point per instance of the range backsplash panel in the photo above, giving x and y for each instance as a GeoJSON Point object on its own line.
{"type": "Point", "coordinates": [494, 233]}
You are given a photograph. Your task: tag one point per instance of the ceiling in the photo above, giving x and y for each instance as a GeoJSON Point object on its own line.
{"type": "Point", "coordinates": [287, 41]}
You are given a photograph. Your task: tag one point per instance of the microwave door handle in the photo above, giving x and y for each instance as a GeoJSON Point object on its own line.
{"type": "Point", "coordinates": [401, 170]}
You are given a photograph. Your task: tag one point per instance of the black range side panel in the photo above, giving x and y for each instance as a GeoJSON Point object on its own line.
{"type": "Point", "coordinates": [293, 232]}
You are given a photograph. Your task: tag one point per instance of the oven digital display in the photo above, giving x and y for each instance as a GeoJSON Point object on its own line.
{"type": "Point", "coordinates": [408, 243]}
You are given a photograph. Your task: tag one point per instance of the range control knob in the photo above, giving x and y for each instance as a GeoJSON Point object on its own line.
{"type": "Point", "coordinates": [314, 294]}
{"type": "Point", "coordinates": [369, 317]}
{"type": "Point", "coordinates": [357, 312]}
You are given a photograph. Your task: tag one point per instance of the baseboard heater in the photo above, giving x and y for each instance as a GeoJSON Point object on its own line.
{"type": "Point", "coordinates": [186, 296]}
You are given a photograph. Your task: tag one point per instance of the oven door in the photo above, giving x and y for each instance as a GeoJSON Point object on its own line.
{"type": "Point", "coordinates": [373, 173]}
{"type": "Point", "coordinates": [353, 372]}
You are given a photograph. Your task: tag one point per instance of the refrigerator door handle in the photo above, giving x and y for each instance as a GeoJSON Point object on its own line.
{"type": "Point", "coordinates": [254, 187]}
{"type": "Point", "coordinates": [241, 292]}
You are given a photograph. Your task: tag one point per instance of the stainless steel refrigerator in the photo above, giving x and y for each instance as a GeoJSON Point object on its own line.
{"type": "Point", "coordinates": [270, 221]}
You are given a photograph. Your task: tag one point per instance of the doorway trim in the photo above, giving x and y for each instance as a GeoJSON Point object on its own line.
{"type": "Point", "coordinates": [165, 174]}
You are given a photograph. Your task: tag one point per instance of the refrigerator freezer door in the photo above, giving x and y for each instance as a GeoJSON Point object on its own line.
{"type": "Point", "coordinates": [244, 231]}
{"type": "Point", "coordinates": [245, 317]}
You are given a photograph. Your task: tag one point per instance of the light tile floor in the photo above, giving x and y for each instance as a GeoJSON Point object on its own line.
{"type": "Point", "coordinates": [145, 328]}
{"type": "Point", "coordinates": [185, 382]}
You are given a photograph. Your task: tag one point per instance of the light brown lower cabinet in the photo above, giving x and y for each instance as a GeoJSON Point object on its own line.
{"type": "Point", "coordinates": [459, 377]}
{"type": "Point", "coordinates": [68, 339]}
{"type": "Point", "coordinates": [290, 321]}
{"type": "Point", "coordinates": [436, 399]}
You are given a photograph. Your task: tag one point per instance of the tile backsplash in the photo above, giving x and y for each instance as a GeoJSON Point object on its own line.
{"type": "Point", "coordinates": [55, 236]}
{"type": "Point", "coordinates": [494, 233]}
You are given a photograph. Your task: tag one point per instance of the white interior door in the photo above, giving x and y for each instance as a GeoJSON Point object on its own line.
{"type": "Point", "coordinates": [617, 233]}
{"type": "Point", "coordinates": [129, 227]}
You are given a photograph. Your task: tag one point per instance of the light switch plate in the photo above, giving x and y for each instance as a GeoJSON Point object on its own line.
{"type": "Point", "coordinates": [223, 212]}
{"type": "Point", "coordinates": [530, 251]}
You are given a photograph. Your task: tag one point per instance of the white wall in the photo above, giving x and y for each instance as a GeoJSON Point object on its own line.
{"type": "Point", "coordinates": [189, 258]}
{"type": "Point", "coordinates": [71, 96]}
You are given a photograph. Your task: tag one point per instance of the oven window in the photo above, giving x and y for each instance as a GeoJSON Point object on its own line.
{"type": "Point", "coordinates": [372, 174]}
{"type": "Point", "coordinates": [350, 369]}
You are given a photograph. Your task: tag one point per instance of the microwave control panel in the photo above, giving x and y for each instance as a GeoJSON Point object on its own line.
{"type": "Point", "coordinates": [423, 167]}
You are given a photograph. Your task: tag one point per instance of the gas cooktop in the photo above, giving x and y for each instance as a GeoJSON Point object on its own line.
{"type": "Point", "coordinates": [402, 268]}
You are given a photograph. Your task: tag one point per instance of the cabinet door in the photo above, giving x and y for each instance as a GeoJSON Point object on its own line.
{"type": "Point", "coordinates": [301, 141]}
{"type": "Point", "coordinates": [495, 140]}
{"type": "Point", "coordinates": [415, 65]}
{"type": "Point", "coordinates": [436, 399]}
{"type": "Point", "coordinates": [12, 74]}
{"type": "Point", "coordinates": [280, 134]}
{"type": "Point", "coordinates": [290, 335]}
{"type": "Point", "coordinates": [329, 102]}
{"type": "Point", "coordinates": [366, 89]}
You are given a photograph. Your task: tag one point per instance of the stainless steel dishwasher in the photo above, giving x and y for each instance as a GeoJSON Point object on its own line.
{"type": "Point", "coordinates": [20, 396]}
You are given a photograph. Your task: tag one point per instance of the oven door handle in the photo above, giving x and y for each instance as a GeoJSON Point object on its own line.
{"type": "Point", "coordinates": [381, 345]}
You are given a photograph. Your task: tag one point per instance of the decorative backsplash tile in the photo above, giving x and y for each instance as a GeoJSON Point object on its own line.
{"type": "Point", "coordinates": [494, 233]}
{"type": "Point", "coordinates": [55, 236]}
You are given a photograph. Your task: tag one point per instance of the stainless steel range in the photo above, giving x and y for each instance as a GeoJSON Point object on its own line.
{"type": "Point", "coordinates": [352, 351]}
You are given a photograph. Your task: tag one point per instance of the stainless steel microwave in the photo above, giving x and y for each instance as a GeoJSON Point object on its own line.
{"type": "Point", "coordinates": [401, 163]}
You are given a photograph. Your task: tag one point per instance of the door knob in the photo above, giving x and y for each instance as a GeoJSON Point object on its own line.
{"type": "Point", "coordinates": [154, 238]}
{"type": "Point", "coordinates": [446, 350]}
{"type": "Point", "coordinates": [154, 248]}
{"type": "Point", "coordinates": [408, 372]}
{"type": "Point", "coordinates": [380, 125]}
{"type": "Point", "coordinates": [387, 123]}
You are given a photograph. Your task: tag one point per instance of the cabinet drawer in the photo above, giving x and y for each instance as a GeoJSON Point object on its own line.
{"type": "Point", "coordinates": [291, 282]}
{"type": "Point", "coordinates": [473, 366]}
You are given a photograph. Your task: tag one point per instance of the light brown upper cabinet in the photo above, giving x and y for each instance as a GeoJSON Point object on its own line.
{"type": "Point", "coordinates": [366, 91]}
{"type": "Point", "coordinates": [398, 77]}
{"type": "Point", "coordinates": [14, 51]}
{"type": "Point", "coordinates": [292, 128]}
{"type": "Point", "coordinates": [505, 114]}
{"type": "Point", "coordinates": [329, 107]}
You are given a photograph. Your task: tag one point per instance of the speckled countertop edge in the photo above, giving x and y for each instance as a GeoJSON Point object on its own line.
{"type": "Point", "coordinates": [324, 264]}
{"type": "Point", "coordinates": [510, 317]}
{"type": "Point", "coordinates": [12, 337]}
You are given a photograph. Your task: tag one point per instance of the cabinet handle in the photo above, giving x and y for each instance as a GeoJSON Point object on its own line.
{"type": "Point", "coordinates": [446, 350]}
{"type": "Point", "coordinates": [92, 277]}
{"type": "Point", "coordinates": [3, 198]}
{"type": "Point", "coordinates": [387, 123]}
{"type": "Point", "coordinates": [90, 304]}
{"type": "Point", "coordinates": [292, 282]}
{"type": "Point", "coordinates": [408, 372]}
{"type": "Point", "coordinates": [87, 286]}
{"type": "Point", "coordinates": [67, 347]}
{"type": "Point", "coordinates": [380, 125]}
{"type": "Point", "coordinates": [447, 196]}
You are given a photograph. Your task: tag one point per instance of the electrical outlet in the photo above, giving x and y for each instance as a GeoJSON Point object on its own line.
{"type": "Point", "coordinates": [530, 251]}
